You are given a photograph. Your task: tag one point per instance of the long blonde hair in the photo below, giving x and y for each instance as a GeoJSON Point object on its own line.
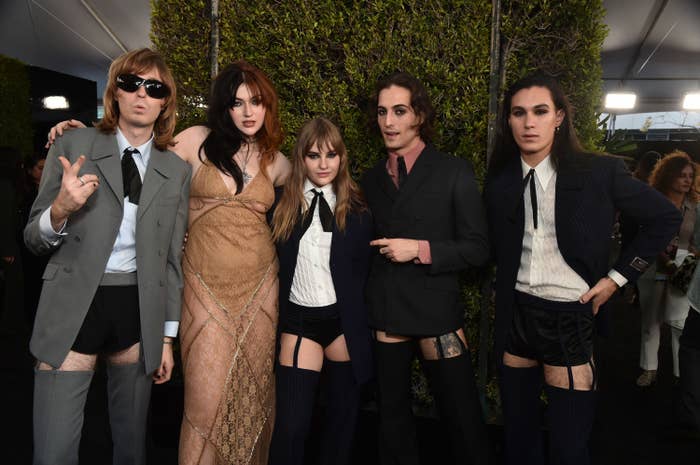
{"type": "Point", "coordinates": [321, 132]}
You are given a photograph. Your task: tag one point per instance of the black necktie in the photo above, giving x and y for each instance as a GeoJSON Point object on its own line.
{"type": "Point", "coordinates": [533, 193]}
{"type": "Point", "coordinates": [402, 171]}
{"type": "Point", "coordinates": [324, 212]}
{"type": "Point", "coordinates": [130, 176]}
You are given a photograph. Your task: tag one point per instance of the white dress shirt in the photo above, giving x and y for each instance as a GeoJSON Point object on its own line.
{"type": "Point", "coordinates": [543, 271]}
{"type": "Point", "coordinates": [312, 285]}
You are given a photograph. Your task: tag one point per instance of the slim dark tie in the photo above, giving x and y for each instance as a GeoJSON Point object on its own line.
{"type": "Point", "coordinates": [324, 213]}
{"type": "Point", "coordinates": [533, 193]}
{"type": "Point", "coordinates": [402, 171]}
{"type": "Point", "coordinates": [130, 176]}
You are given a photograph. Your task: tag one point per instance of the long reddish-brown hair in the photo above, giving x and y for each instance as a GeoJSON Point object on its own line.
{"type": "Point", "coordinates": [323, 133]}
{"type": "Point", "coordinates": [137, 62]}
{"type": "Point", "coordinates": [668, 169]}
{"type": "Point", "coordinates": [225, 139]}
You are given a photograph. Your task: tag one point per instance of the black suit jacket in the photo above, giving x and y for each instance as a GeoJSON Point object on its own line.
{"type": "Point", "coordinates": [590, 189]}
{"type": "Point", "coordinates": [349, 263]}
{"type": "Point", "coordinates": [440, 203]}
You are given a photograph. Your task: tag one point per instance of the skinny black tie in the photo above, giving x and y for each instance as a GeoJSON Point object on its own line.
{"type": "Point", "coordinates": [402, 171]}
{"type": "Point", "coordinates": [130, 176]}
{"type": "Point", "coordinates": [533, 194]}
{"type": "Point", "coordinates": [324, 212]}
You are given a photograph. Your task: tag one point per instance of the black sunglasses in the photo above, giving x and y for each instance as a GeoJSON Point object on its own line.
{"type": "Point", "coordinates": [131, 83]}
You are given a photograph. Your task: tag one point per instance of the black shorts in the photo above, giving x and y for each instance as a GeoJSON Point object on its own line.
{"type": "Point", "coordinates": [554, 333]}
{"type": "Point", "coordinates": [320, 324]}
{"type": "Point", "coordinates": [112, 322]}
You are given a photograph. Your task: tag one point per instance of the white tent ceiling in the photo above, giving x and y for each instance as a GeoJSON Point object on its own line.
{"type": "Point", "coordinates": [653, 47]}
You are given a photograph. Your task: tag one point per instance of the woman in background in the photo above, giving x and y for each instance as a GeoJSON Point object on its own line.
{"type": "Point", "coordinates": [674, 176]}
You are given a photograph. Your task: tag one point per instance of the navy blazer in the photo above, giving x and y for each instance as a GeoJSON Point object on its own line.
{"type": "Point", "coordinates": [349, 264]}
{"type": "Point", "coordinates": [590, 189]}
{"type": "Point", "coordinates": [440, 203]}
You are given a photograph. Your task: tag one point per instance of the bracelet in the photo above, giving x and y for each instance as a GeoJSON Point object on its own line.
{"type": "Point", "coordinates": [168, 342]}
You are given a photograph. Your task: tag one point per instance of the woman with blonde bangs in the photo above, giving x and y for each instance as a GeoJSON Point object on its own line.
{"type": "Point", "coordinates": [322, 230]}
{"type": "Point", "coordinates": [660, 301]}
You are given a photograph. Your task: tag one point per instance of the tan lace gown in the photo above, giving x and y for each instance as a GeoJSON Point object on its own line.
{"type": "Point", "coordinates": [228, 324]}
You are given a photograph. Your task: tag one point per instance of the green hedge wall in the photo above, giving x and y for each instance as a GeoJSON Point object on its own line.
{"type": "Point", "coordinates": [15, 106]}
{"type": "Point", "coordinates": [324, 57]}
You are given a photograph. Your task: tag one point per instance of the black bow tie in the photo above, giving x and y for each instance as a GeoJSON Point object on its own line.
{"type": "Point", "coordinates": [324, 212]}
{"type": "Point", "coordinates": [130, 176]}
{"type": "Point", "coordinates": [533, 194]}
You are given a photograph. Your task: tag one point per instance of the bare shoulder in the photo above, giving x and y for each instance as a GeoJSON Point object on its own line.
{"type": "Point", "coordinates": [280, 169]}
{"type": "Point", "coordinates": [188, 141]}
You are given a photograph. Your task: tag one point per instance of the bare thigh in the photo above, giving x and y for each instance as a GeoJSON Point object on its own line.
{"type": "Point", "coordinates": [310, 356]}
{"type": "Point", "coordinates": [125, 357]}
{"type": "Point", "coordinates": [337, 351]}
{"type": "Point", "coordinates": [453, 344]}
{"type": "Point", "coordinates": [74, 361]}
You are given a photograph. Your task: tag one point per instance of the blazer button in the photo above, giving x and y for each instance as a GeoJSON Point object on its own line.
{"type": "Point", "coordinates": [162, 283]}
{"type": "Point", "coordinates": [160, 252]}
{"type": "Point", "coordinates": [158, 222]}
{"type": "Point", "coordinates": [67, 269]}
{"type": "Point", "coordinates": [76, 238]}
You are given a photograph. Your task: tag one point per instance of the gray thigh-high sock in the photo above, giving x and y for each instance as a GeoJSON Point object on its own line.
{"type": "Point", "coordinates": [341, 413]}
{"type": "Point", "coordinates": [59, 402]}
{"type": "Point", "coordinates": [456, 397]}
{"type": "Point", "coordinates": [397, 429]}
{"type": "Point", "coordinates": [522, 414]}
{"type": "Point", "coordinates": [129, 391]}
{"type": "Point", "coordinates": [570, 417]}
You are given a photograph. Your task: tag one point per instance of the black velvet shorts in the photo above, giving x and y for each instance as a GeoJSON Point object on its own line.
{"type": "Point", "coordinates": [554, 333]}
{"type": "Point", "coordinates": [112, 323]}
{"type": "Point", "coordinates": [320, 324]}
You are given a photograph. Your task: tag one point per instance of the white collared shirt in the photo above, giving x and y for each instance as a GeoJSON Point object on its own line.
{"type": "Point", "coordinates": [543, 271]}
{"type": "Point", "coordinates": [312, 285]}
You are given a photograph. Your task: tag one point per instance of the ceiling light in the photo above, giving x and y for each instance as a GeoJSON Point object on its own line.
{"type": "Point", "coordinates": [55, 102]}
{"type": "Point", "coordinates": [620, 100]}
{"type": "Point", "coordinates": [691, 101]}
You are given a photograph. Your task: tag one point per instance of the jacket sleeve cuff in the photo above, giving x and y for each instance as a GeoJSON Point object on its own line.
{"type": "Point", "coordinates": [171, 328]}
{"type": "Point", "coordinates": [617, 277]}
{"type": "Point", "coordinates": [48, 235]}
{"type": "Point", "coordinates": [424, 256]}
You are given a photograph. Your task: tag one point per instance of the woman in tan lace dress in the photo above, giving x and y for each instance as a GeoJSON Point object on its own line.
{"type": "Point", "coordinates": [229, 312]}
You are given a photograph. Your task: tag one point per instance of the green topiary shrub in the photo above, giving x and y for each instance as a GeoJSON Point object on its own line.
{"type": "Point", "coordinates": [325, 56]}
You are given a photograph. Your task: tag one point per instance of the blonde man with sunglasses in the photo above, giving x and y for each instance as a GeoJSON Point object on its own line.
{"type": "Point", "coordinates": [112, 212]}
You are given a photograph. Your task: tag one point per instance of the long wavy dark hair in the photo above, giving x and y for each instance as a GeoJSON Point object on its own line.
{"type": "Point", "coordinates": [565, 140]}
{"type": "Point", "coordinates": [224, 138]}
{"type": "Point", "coordinates": [420, 101]}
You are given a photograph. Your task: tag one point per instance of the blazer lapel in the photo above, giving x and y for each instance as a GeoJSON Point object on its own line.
{"type": "Point", "coordinates": [421, 171]}
{"type": "Point", "coordinates": [512, 192]}
{"type": "Point", "coordinates": [386, 183]}
{"type": "Point", "coordinates": [570, 181]}
{"type": "Point", "coordinates": [106, 156]}
{"type": "Point", "coordinates": [157, 173]}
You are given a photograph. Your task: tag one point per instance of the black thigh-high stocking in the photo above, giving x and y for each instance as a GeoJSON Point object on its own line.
{"type": "Point", "coordinates": [570, 415]}
{"type": "Point", "coordinates": [341, 413]}
{"type": "Point", "coordinates": [294, 403]}
{"type": "Point", "coordinates": [522, 415]}
{"type": "Point", "coordinates": [397, 429]}
{"type": "Point", "coordinates": [457, 399]}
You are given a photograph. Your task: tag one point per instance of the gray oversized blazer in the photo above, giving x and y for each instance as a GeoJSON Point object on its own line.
{"type": "Point", "coordinates": [78, 262]}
